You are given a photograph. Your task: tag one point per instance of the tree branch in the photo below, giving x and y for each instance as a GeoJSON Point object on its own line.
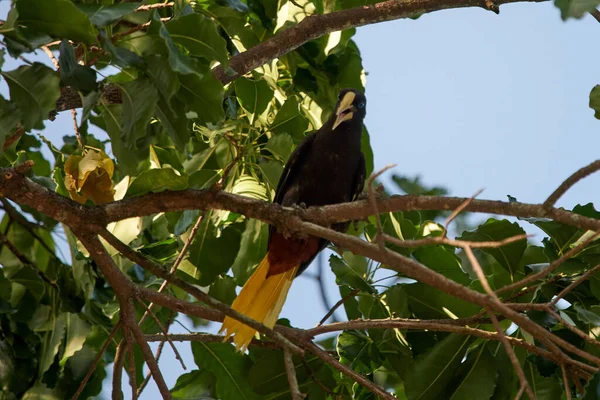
{"type": "Point", "coordinates": [310, 28]}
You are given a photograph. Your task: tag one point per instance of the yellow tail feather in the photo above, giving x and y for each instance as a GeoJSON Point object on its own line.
{"type": "Point", "coordinates": [261, 299]}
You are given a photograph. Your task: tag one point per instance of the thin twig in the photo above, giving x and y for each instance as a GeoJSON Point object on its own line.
{"type": "Point", "coordinates": [76, 129]}
{"type": "Point", "coordinates": [117, 383]}
{"type": "Point", "coordinates": [290, 369]}
{"type": "Point", "coordinates": [453, 242]}
{"type": "Point", "coordinates": [164, 332]}
{"type": "Point", "coordinates": [458, 210]}
{"type": "Point", "coordinates": [25, 260]}
{"type": "Point", "coordinates": [94, 364]}
{"type": "Point", "coordinates": [49, 53]}
{"type": "Point", "coordinates": [569, 182]}
{"type": "Point", "coordinates": [337, 305]}
{"type": "Point", "coordinates": [574, 329]}
{"type": "Point", "coordinates": [550, 268]}
{"type": "Point", "coordinates": [149, 7]}
{"type": "Point", "coordinates": [509, 350]}
{"type": "Point", "coordinates": [329, 359]}
{"type": "Point", "coordinates": [131, 365]}
{"type": "Point", "coordinates": [566, 382]}
{"type": "Point", "coordinates": [574, 284]}
{"type": "Point", "coordinates": [178, 260]}
{"type": "Point", "coordinates": [200, 295]}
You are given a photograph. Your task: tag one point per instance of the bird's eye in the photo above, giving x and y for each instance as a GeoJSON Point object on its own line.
{"type": "Point", "coordinates": [361, 104]}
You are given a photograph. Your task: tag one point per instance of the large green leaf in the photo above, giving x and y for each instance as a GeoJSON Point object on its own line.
{"type": "Point", "coordinates": [478, 375]}
{"type": "Point", "coordinates": [431, 373]}
{"type": "Point", "coordinates": [194, 385]}
{"type": "Point", "coordinates": [157, 180]}
{"type": "Point", "coordinates": [544, 388]}
{"type": "Point", "coordinates": [509, 256]}
{"type": "Point", "coordinates": [575, 8]}
{"type": "Point", "coordinates": [254, 96]}
{"type": "Point", "coordinates": [290, 120]}
{"type": "Point", "coordinates": [57, 18]}
{"type": "Point", "coordinates": [203, 94]}
{"type": "Point", "coordinates": [358, 351]}
{"type": "Point", "coordinates": [101, 15]}
{"type": "Point", "coordinates": [268, 377]}
{"type": "Point", "coordinates": [112, 117]}
{"type": "Point", "coordinates": [595, 101]}
{"type": "Point", "coordinates": [73, 74]}
{"type": "Point", "coordinates": [213, 254]}
{"type": "Point", "coordinates": [178, 61]}
{"type": "Point", "coordinates": [442, 260]}
{"type": "Point", "coordinates": [253, 246]}
{"type": "Point", "coordinates": [34, 90]}
{"type": "Point", "coordinates": [229, 367]}
{"type": "Point", "coordinates": [139, 102]}
{"type": "Point", "coordinates": [199, 36]}
{"type": "Point", "coordinates": [346, 274]}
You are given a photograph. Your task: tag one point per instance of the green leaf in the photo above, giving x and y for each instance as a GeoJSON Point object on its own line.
{"type": "Point", "coordinates": [356, 350]}
{"type": "Point", "coordinates": [211, 254]}
{"type": "Point", "coordinates": [430, 374]}
{"type": "Point", "coordinates": [586, 316]}
{"type": "Point", "coordinates": [223, 289]}
{"type": "Point", "coordinates": [112, 115]}
{"type": "Point", "coordinates": [199, 36]}
{"type": "Point", "coordinates": [290, 120]}
{"type": "Point", "coordinates": [442, 260]}
{"type": "Point", "coordinates": [80, 77]}
{"type": "Point", "coordinates": [157, 180]}
{"type": "Point", "coordinates": [253, 247]}
{"type": "Point", "coordinates": [51, 341]}
{"type": "Point", "coordinates": [76, 334]}
{"type": "Point", "coordinates": [595, 101]}
{"type": "Point", "coordinates": [178, 61]}
{"type": "Point", "coordinates": [427, 302]}
{"type": "Point", "coordinates": [592, 389]}
{"type": "Point", "coordinates": [479, 376]}
{"type": "Point", "coordinates": [509, 256]}
{"type": "Point", "coordinates": [57, 18]}
{"type": "Point", "coordinates": [10, 116]}
{"type": "Point", "coordinates": [139, 102]}
{"type": "Point", "coordinates": [253, 96]}
{"type": "Point", "coordinates": [102, 15]}
{"type": "Point", "coordinates": [575, 8]}
{"type": "Point", "coordinates": [544, 388]}
{"type": "Point", "coordinates": [229, 367]}
{"type": "Point", "coordinates": [249, 186]}
{"type": "Point", "coordinates": [281, 146]}
{"type": "Point", "coordinates": [347, 275]}
{"type": "Point", "coordinates": [34, 90]}
{"type": "Point", "coordinates": [120, 56]}
{"type": "Point", "coordinates": [203, 94]}
{"type": "Point", "coordinates": [194, 385]}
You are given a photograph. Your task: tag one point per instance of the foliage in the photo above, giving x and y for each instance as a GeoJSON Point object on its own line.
{"type": "Point", "coordinates": [178, 127]}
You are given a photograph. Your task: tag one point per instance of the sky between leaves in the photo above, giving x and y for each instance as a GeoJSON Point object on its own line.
{"type": "Point", "coordinates": [467, 100]}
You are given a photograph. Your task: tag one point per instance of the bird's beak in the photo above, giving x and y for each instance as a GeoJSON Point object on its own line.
{"type": "Point", "coordinates": [345, 110]}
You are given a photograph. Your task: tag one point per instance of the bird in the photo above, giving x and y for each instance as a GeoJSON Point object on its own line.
{"type": "Point", "coordinates": [327, 167]}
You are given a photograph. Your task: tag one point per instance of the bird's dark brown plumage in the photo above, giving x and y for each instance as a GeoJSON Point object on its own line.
{"type": "Point", "coordinates": [328, 167]}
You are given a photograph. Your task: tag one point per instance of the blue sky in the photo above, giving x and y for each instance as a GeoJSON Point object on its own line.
{"type": "Point", "coordinates": [466, 99]}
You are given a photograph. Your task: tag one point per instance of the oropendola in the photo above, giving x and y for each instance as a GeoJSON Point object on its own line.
{"type": "Point", "coordinates": [327, 167]}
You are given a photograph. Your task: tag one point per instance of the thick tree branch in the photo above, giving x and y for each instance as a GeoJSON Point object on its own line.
{"type": "Point", "coordinates": [312, 27]}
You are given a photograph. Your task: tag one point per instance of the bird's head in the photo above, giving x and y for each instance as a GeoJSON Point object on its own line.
{"type": "Point", "coordinates": [351, 106]}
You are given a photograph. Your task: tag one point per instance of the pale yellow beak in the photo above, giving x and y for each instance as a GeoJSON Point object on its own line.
{"type": "Point", "coordinates": [342, 112]}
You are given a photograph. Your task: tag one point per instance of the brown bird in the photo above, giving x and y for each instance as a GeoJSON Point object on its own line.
{"type": "Point", "coordinates": [327, 167]}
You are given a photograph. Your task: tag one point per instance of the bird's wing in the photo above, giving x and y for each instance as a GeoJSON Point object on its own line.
{"type": "Point", "coordinates": [292, 166]}
{"type": "Point", "coordinates": [359, 177]}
